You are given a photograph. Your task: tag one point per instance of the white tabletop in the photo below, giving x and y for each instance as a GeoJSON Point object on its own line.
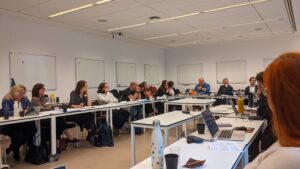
{"type": "Point", "coordinates": [167, 119]}
{"type": "Point", "coordinates": [215, 159]}
{"type": "Point", "coordinates": [192, 101]}
{"type": "Point", "coordinates": [222, 109]}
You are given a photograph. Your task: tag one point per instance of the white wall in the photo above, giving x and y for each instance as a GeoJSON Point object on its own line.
{"type": "Point", "coordinates": [28, 37]}
{"type": "Point", "coordinates": [253, 51]}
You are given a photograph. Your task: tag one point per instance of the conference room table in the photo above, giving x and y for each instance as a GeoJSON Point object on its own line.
{"type": "Point", "coordinates": [189, 101]}
{"type": "Point", "coordinates": [218, 154]}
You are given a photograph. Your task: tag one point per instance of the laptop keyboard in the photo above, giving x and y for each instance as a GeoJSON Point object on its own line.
{"type": "Point", "coordinates": [225, 134]}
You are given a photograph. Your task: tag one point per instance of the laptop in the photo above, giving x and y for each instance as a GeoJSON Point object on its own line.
{"type": "Point", "coordinates": [240, 114]}
{"type": "Point", "coordinates": [33, 110]}
{"type": "Point", "coordinates": [216, 133]}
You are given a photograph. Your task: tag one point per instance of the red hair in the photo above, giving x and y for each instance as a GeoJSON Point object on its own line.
{"type": "Point", "coordinates": [282, 81]}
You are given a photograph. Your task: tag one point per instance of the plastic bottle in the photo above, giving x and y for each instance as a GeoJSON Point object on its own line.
{"type": "Point", "coordinates": [157, 147]}
{"type": "Point", "coordinates": [16, 109]}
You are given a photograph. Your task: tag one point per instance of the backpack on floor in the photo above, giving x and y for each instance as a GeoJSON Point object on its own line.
{"type": "Point", "coordinates": [105, 137]}
{"type": "Point", "coordinates": [36, 155]}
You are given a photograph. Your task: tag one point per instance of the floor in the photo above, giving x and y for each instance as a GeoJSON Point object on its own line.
{"type": "Point", "coordinates": [89, 157]}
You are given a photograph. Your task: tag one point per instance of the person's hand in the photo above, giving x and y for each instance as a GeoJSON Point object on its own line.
{"type": "Point", "coordinates": [138, 89]}
{"type": "Point", "coordinates": [81, 105]}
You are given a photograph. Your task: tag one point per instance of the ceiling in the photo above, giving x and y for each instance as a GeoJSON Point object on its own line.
{"type": "Point", "coordinates": [263, 19]}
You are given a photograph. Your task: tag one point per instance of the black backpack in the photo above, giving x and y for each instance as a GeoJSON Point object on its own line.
{"type": "Point", "coordinates": [36, 155]}
{"type": "Point", "coordinates": [105, 137]}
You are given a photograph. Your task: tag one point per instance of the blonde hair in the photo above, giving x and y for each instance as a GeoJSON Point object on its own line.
{"type": "Point", "coordinates": [15, 89]}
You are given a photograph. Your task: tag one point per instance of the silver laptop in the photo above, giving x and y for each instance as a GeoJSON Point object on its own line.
{"type": "Point", "coordinates": [216, 133]}
{"type": "Point", "coordinates": [33, 111]}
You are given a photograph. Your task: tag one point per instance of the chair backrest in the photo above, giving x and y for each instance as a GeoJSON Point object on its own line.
{"type": "Point", "coordinates": [116, 93]}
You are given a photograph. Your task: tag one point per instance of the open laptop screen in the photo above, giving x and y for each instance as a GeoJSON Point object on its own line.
{"type": "Point", "coordinates": [210, 122]}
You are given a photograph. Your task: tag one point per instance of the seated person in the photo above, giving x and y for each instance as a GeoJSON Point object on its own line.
{"type": "Point", "coordinates": [78, 99]}
{"type": "Point", "coordinates": [202, 88]}
{"type": "Point", "coordinates": [120, 117]}
{"type": "Point", "coordinates": [282, 81]}
{"type": "Point", "coordinates": [39, 99]}
{"type": "Point", "coordinates": [264, 111]}
{"type": "Point", "coordinates": [153, 90]}
{"type": "Point", "coordinates": [20, 133]}
{"type": "Point", "coordinates": [173, 91]}
{"type": "Point", "coordinates": [146, 94]}
{"type": "Point", "coordinates": [252, 88]}
{"type": "Point", "coordinates": [225, 89]}
{"type": "Point", "coordinates": [163, 90]}
{"type": "Point", "coordinates": [133, 93]}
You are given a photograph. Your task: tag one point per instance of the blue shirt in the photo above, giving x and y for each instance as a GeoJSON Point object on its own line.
{"type": "Point", "coordinates": [8, 105]}
{"type": "Point", "coordinates": [201, 92]}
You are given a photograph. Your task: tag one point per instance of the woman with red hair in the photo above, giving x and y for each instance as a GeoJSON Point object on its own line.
{"type": "Point", "coordinates": [282, 81]}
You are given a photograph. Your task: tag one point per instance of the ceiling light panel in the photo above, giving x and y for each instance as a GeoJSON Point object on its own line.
{"type": "Point", "coordinates": [195, 13]}
{"type": "Point", "coordinates": [54, 6]}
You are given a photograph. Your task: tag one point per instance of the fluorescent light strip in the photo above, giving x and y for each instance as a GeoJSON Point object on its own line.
{"type": "Point", "coordinates": [130, 26]}
{"type": "Point", "coordinates": [235, 6]}
{"type": "Point", "coordinates": [176, 17]}
{"type": "Point", "coordinates": [158, 37]}
{"type": "Point", "coordinates": [215, 28]}
{"type": "Point", "coordinates": [102, 2]}
{"type": "Point", "coordinates": [252, 23]}
{"type": "Point", "coordinates": [78, 8]}
{"type": "Point", "coordinates": [191, 14]}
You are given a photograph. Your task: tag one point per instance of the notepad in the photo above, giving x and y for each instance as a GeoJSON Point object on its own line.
{"type": "Point", "coordinates": [225, 146]}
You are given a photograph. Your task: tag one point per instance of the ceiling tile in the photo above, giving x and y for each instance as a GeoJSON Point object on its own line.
{"type": "Point", "coordinates": [16, 5]}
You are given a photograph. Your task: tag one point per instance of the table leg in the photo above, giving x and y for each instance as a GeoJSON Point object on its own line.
{"type": "Point", "coordinates": [184, 129]}
{"type": "Point", "coordinates": [176, 134]}
{"type": "Point", "coordinates": [166, 108]}
{"type": "Point", "coordinates": [144, 111]}
{"type": "Point", "coordinates": [166, 137]}
{"type": "Point", "coordinates": [53, 156]}
{"type": "Point", "coordinates": [111, 119]}
{"type": "Point", "coordinates": [107, 114]}
{"type": "Point", "coordinates": [38, 133]}
{"type": "Point", "coordinates": [133, 151]}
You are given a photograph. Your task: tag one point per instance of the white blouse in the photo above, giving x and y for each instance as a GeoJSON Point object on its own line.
{"type": "Point", "coordinates": [106, 98]}
{"type": "Point", "coordinates": [277, 157]}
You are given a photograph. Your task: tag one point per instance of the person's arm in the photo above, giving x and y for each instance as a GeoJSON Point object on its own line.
{"type": "Point", "coordinates": [7, 109]}
{"type": "Point", "coordinates": [230, 91]}
{"type": "Point", "coordinates": [35, 101]}
{"type": "Point", "coordinates": [26, 104]}
{"type": "Point", "coordinates": [247, 90]}
{"type": "Point", "coordinates": [220, 91]}
{"type": "Point", "coordinates": [112, 98]}
{"type": "Point", "coordinates": [207, 89]}
{"type": "Point", "coordinates": [197, 88]}
{"type": "Point", "coordinates": [102, 99]}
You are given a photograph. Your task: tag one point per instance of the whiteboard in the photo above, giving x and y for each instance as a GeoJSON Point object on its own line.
{"type": "Point", "coordinates": [267, 61]}
{"type": "Point", "coordinates": [235, 71]}
{"type": "Point", "coordinates": [188, 73]}
{"type": "Point", "coordinates": [126, 73]}
{"type": "Point", "coordinates": [90, 70]}
{"type": "Point", "coordinates": [29, 69]}
{"type": "Point", "coordinates": [151, 74]}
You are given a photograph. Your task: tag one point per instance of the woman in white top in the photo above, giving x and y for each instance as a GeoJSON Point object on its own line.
{"type": "Point", "coordinates": [282, 81]}
{"type": "Point", "coordinates": [104, 96]}
{"type": "Point", "coordinates": [120, 117]}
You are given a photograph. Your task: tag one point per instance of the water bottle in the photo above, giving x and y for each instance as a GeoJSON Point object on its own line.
{"type": "Point", "coordinates": [157, 147]}
{"type": "Point", "coordinates": [240, 104]}
{"type": "Point", "coordinates": [16, 109]}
